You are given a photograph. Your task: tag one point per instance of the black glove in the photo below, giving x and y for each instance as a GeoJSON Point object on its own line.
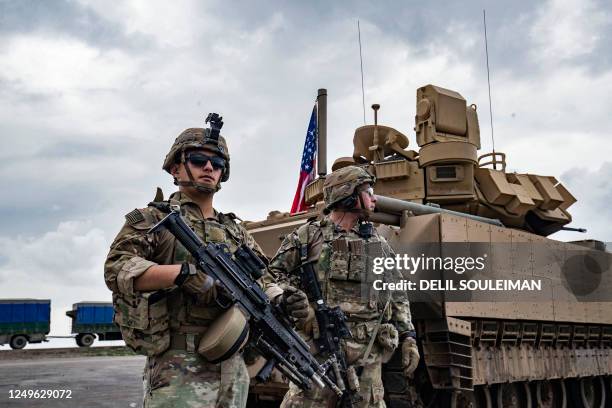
{"type": "Point", "coordinates": [295, 303]}
{"type": "Point", "coordinates": [196, 283]}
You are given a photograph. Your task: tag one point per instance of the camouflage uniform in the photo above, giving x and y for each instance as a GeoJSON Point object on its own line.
{"type": "Point", "coordinates": [343, 265]}
{"type": "Point", "coordinates": [175, 375]}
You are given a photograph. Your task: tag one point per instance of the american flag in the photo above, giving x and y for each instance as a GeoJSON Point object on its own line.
{"type": "Point", "coordinates": [307, 168]}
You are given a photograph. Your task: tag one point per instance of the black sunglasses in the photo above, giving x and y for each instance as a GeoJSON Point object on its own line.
{"type": "Point", "coordinates": [200, 160]}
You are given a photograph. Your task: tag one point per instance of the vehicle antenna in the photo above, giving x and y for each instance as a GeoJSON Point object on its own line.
{"type": "Point", "coordinates": [484, 17]}
{"type": "Point", "coordinates": [361, 63]}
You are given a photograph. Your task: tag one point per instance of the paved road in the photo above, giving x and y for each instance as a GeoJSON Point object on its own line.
{"type": "Point", "coordinates": [94, 381]}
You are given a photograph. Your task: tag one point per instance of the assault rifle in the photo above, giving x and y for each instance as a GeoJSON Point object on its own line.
{"type": "Point", "coordinates": [332, 328]}
{"type": "Point", "coordinates": [271, 333]}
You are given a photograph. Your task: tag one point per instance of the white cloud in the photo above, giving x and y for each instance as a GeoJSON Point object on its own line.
{"type": "Point", "coordinates": [70, 256]}
{"type": "Point", "coordinates": [566, 29]}
{"type": "Point", "coordinates": [66, 86]}
{"type": "Point", "coordinates": [39, 64]}
{"type": "Point", "coordinates": [62, 92]}
{"type": "Point", "coordinates": [64, 265]}
{"type": "Point", "coordinates": [173, 24]}
{"type": "Point", "coordinates": [593, 189]}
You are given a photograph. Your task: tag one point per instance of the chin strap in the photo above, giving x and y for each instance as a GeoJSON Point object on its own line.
{"type": "Point", "coordinates": [365, 227]}
{"type": "Point", "coordinates": [364, 214]}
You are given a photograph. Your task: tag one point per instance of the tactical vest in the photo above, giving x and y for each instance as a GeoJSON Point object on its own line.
{"type": "Point", "coordinates": [344, 269]}
{"type": "Point", "coordinates": [186, 315]}
{"type": "Point", "coordinates": [152, 322]}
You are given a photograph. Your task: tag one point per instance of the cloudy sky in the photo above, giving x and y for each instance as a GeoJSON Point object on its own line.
{"type": "Point", "coordinates": [92, 95]}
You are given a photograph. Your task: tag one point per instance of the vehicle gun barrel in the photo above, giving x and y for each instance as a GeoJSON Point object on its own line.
{"type": "Point", "coordinates": [386, 206]}
{"type": "Point", "coordinates": [573, 229]}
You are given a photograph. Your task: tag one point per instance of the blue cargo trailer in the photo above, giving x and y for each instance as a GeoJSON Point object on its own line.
{"type": "Point", "coordinates": [93, 318]}
{"type": "Point", "coordinates": [23, 321]}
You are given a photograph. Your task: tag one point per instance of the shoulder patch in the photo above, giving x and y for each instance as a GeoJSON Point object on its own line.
{"type": "Point", "coordinates": [134, 217]}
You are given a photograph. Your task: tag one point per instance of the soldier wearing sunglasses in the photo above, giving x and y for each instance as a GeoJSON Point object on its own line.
{"type": "Point", "coordinates": [163, 303]}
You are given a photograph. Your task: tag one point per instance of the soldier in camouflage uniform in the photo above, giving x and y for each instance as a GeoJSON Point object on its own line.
{"type": "Point", "coordinates": [163, 304]}
{"type": "Point", "coordinates": [343, 253]}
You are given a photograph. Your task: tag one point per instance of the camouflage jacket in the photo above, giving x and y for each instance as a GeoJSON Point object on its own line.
{"type": "Point", "coordinates": [344, 268]}
{"type": "Point", "coordinates": [134, 251]}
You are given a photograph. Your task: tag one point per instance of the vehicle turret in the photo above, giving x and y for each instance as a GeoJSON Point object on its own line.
{"type": "Point", "coordinates": [447, 170]}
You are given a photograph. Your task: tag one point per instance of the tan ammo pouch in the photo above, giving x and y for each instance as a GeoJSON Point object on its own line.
{"type": "Point", "coordinates": [348, 260]}
{"type": "Point", "coordinates": [357, 265]}
{"type": "Point", "coordinates": [362, 331]}
{"type": "Point", "coordinates": [225, 336]}
{"type": "Point", "coordinates": [388, 339]}
{"type": "Point", "coordinates": [214, 233]}
{"type": "Point", "coordinates": [385, 341]}
{"type": "Point", "coordinates": [143, 321]}
{"type": "Point", "coordinates": [339, 260]}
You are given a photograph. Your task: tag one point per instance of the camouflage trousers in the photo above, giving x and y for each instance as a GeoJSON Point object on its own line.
{"type": "Point", "coordinates": [370, 383]}
{"type": "Point", "coordinates": [182, 379]}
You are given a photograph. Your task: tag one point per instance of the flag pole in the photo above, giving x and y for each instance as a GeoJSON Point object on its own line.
{"type": "Point", "coordinates": [322, 132]}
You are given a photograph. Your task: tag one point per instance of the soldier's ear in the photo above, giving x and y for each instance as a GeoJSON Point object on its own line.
{"type": "Point", "coordinates": [174, 170]}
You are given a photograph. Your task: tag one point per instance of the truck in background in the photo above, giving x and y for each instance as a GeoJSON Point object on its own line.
{"type": "Point", "coordinates": [24, 321]}
{"type": "Point", "coordinates": [93, 318]}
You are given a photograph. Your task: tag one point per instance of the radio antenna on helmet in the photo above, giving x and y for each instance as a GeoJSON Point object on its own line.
{"type": "Point", "coordinates": [361, 64]}
{"type": "Point", "coordinates": [484, 18]}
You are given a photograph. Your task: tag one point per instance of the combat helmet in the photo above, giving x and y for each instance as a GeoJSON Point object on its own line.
{"type": "Point", "coordinates": [339, 189]}
{"type": "Point", "coordinates": [197, 138]}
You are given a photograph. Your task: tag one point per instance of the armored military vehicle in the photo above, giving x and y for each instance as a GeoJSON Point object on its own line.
{"type": "Point", "coordinates": [551, 350]}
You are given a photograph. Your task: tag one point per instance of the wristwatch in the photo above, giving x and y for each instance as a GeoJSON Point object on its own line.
{"type": "Point", "coordinates": [186, 270]}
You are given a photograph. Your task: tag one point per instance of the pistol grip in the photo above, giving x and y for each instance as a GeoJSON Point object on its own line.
{"type": "Point", "coordinates": [264, 374]}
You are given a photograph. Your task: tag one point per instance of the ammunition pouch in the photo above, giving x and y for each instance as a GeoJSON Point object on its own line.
{"type": "Point", "coordinates": [386, 342]}
{"type": "Point", "coordinates": [339, 264]}
{"type": "Point", "coordinates": [225, 336]}
{"type": "Point", "coordinates": [362, 331]}
{"type": "Point", "coordinates": [185, 341]}
{"type": "Point", "coordinates": [143, 321]}
{"type": "Point", "coordinates": [388, 339]}
{"type": "Point", "coordinates": [358, 260]}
